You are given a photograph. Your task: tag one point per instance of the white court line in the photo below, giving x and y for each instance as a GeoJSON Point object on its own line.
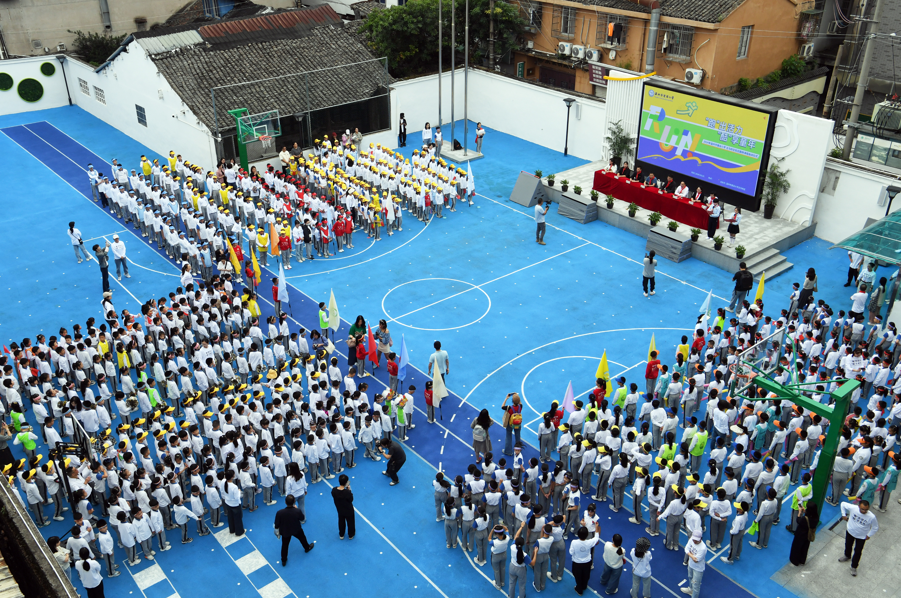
{"type": "Point", "coordinates": [601, 247]}
{"type": "Point", "coordinates": [479, 286]}
{"type": "Point", "coordinates": [522, 387]}
{"type": "Point", "coordinates": [575, 336]}
{"type": "Point", "coordinates": [407, 242]}
{"type": "Point", "coordinates": [53, 146]}
{"type": "Point", "coordinates": [392, 545]}
{"type": "Point", "coordinates": [115, 232]}
{"type": "Point", "coordinates": [247, 575]}
{"type": "Point", "coordinates": [130, 261]}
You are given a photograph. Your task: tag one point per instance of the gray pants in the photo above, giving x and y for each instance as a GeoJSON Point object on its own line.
{"type": "Point", "coordinates": [499, 563]}
{"type": "Point", "coordinates": [717, 531]}
{"type": "Point", "coordinates": [542, 562]}
{"type": "Point", "coordinates": [546, 447]}
{"type": "Point", "coordinates": [764, 529]}
{"type": "Point", "coordinates": [672, 531]}
{"type": "Point", "coordinates": [517, 582]}
{"type": "Point", "coordinates": [603, 478]}
{"type": "Point", "coordinates": [481, 537]}
{"type": "Point", "coordinates": [539, 233]}
{"type": "Point", "coordinates": [636, 582]}
{"type": "Point", "coordinates": [147, 546]}
{"type": "Point", "coordinates": [466, 534]}
{"type": "Point", "coordinates": [735, 544]}
{"type": "Point", "coordinates": [653, 524]}
{"type": "Point", "coordinates": [839, 481]}
{"type": "Point", "coordinates": [619, 490]}
{"type": "Point", "coordinates": [557, 555]}
{"type": "Point", "coordinates": [450, 532]}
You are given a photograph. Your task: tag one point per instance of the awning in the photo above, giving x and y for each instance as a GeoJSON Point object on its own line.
{"type": "Point", "coordinates": [881, 240]}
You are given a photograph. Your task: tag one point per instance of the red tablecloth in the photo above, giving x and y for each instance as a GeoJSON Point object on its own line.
{"type": "Point", "coordinates": [674, 208]}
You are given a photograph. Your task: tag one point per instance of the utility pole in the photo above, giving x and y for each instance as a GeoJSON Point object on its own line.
{"type": "Point", "coordinates": [466, 80]}
{"type": "Point", "coordinates": [862, 81]}
{"type": "Point", "coordinates": [491, 35]}
{"type": "Point", "coordinates": [440, 43]}
{"type": "Point", "coordinates": [453, 64]}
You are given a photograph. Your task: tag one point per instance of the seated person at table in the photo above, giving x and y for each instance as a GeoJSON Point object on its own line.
{"type": "Point", "coordinates": [637, 175]}
{"type": "Point", "coordinates": [651, 180]}
{"type": "Point", "coordinates": [611, 166]}
{"type": "Point", "coordinates": [670, 185]}
{"type": "Point", "coordinates": [682, 190]}
{"type": "Point", "coordinates": [625, 171]}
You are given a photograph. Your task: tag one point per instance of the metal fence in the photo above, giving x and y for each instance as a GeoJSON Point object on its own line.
{"type": "Point", "coordinates": [311, 104]}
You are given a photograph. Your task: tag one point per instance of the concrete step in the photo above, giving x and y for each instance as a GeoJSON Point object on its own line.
{"type": "Point", "coordinates": [773, 268]}
{"type": "Point", "coordinates": [766, 265]}
{"type": "Point", "coordinates": [760, 256]}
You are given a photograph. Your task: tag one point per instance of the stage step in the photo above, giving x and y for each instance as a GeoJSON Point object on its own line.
{"type": "Point", "coordinates": [773, 266]}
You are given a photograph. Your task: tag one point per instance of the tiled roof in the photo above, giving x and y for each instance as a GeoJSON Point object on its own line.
{"type": "Point", "coordinates": [757, 92]}
{"type": "Point", "coordinates": [169, 42]}
{"type": "Point", "coordinates": [192, 72]}
{"type": "Point", "coordinates": [366, 7]}
{"type": "Point", "coordinates": [279, 25]}
{"type": "Point", "coordinates": [705, 11]}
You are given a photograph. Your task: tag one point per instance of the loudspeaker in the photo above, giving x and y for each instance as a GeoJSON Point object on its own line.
{"type": "Point", "coordinates": [528, 190]}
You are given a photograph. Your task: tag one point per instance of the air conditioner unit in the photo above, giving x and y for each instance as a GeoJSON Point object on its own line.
{"type": "Point", "coordinates": [564, 48]}
{"type": "Point", "coordinates": [530, 45]}
{"type": "Point", "coordinates": [806, 51]}
{"type": "Point", "coordinates": [694, 75]}
{"type": "Point", "coordinates": [578, 52]}
{"type": "Point", "coordinates": [593, 55]}
{"type": "Point", "coordinates": [60, 47]}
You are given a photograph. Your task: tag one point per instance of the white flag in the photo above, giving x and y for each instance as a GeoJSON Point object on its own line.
{"type": "Point", "coordinates": [470, 180]}
{"type": "Point", "coordinates": [439, 391]}
{"type": "Point", "coordinates": [282, 285]}
{"type": "Point", "coordinates": [334, 320]}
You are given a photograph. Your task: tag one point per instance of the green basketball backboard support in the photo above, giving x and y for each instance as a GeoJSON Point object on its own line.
{"type": "Point", "coordinates": [250, 127]}
{"type": "Point", "coordinates": [834, 415]}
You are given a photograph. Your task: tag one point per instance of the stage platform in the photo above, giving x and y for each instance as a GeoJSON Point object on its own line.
{"type": "Point", "coordinates": [763, 239]}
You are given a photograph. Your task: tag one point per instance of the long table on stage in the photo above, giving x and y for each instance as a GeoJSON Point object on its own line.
{"type": "Point", "coordinates": [674, 208]}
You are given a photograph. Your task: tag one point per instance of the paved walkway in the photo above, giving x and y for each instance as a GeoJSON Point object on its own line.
{"type": "Point", "coordinates": [879, 574]}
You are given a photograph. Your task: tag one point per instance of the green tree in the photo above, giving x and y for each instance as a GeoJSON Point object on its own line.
{"type": "Point", "coordinates": [95, 48]}
{"type": "Point", "coordinates": [408, 34]}
{"type": "Point", "coordinates": [793, 66]}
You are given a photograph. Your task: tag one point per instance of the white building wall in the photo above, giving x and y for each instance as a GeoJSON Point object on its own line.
{"type": "Point", "coordinates": [801, 141]}
{"type": "Point", "coordinates": [132, 79]}
{"type": "Point", "coordinates": [848, 196]}
{"type": "Point", "coordinates": [30, 68]}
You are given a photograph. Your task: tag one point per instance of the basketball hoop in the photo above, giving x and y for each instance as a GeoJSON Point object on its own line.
{"type": "Point", "coordinates": [267, 142]}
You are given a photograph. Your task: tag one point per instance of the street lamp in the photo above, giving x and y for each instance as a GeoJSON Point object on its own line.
{"type": "Point", "coordinates": [569, 102]}
{"type": "Point", "coordinates": [891, 191]}
{"type": "Point", "coordinates": [62, 67]}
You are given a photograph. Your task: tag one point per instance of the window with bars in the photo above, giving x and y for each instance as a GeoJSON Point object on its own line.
{"type": "Point", "coordinates": [84, 87]}
{"type": "Point", "coordinates": [675, 41]}
{"type": "Point", "coordinates": [744, 41]}
{"type": "Point", "coordinates": [612, 32]}
{"type": "Point", "coordinates": [563, 25]}
{"type": "Point", "coordinates": [531, 12]}
{"type": "Point", "coordinates": [142, 115]}
{"type": "Point", "coordinates": [99, 95]}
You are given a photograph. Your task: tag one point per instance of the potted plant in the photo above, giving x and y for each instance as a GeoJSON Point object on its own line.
{"type": "Point", "coordinates": [633, 207]}
{"type": "Point", "coordinates": [775, 184]}
{"type": "Point", "coordinates": [538, 173]}
{"type": "Point", "coordinates": [672, 225]}
{"type": "Point", "coordinates": [718, 242]}
{"type": "Point", "coordinates": [740, 251]}
{"type": "Point", "coordinates": [577, 190]}
{"type": "Point", "coordinates": [550, 180]}
{"type": "Point", "coordinates": [610, 199]}
{"type": "Point", "coordinates": [594, 195]}
{"type": "Point", "coordinates": [695, 234]}
{"type": "Point", "coordinates": [564, 185]}
{"type": "Point", "coordinates": [619, 143]}
{"type": "Point", "coordinates": [654, 218]}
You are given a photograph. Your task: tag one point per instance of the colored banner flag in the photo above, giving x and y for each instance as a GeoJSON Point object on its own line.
{"type": "Point", "coordinates": [439, 390]}
{"type": "Point", "coordinates": [759, 294]}
{"type": "Point", "coordinates": [402, 360]}
{"type": "Point", "coordinates": [373, 350]}
{"type": "Point", "coordinates": [604, 372]}
{"type": "Point", "coordinates": [273, 240]}
{"type": "Point", "coordinates": [282, 284]}
{"type": "Point", "coordinates": [334, 320]}
{"type": "Point", "coordinates": [257, 275]}
{"type": "Point", "coordinates": [470, 180]}
{"type": "Point", "coordinates": [569, 403]}
{"type": "Point", "coordinates": [652, 347]}
{"type": "Point", "coordinates": [233, 258]}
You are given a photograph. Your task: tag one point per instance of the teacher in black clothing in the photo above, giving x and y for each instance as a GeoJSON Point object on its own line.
{"type": "Point", "coordinates": [344, 502]}
{"type": "Point", "coordinates": [287, 526]}
{"type": "Point", "coordinates": [396, 458]}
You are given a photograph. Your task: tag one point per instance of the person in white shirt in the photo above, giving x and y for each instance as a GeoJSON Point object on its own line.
{"type": "Point", "coordinates": [77, 242]}
{"type": "Point", "coordinates": [580, 550]}
{"type": "Point", "coordinates": [696, 551]}
{"type": "Point", "coordinates": [858, 302]}
{"type": "Point", "coordinates": [862, 526]}
{"type": "Point", "coordinates": [682, 190]}
{"type": "Point", "coordinates": [89, 572]}
{"type": "Point", "coordinates": [118, 248]}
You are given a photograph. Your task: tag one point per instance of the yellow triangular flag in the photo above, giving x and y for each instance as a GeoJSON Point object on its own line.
{"type": "Point", "coordinates": [652, 347]}
{"type": "Point", "coordinates": [233, 257]}
{"type": "Point", "coordinates": [439, 391]}
{"type": "Point", "coordinates": [273, 240]}
{"type": "Point", "coordinates": [604, 371]}
{"type": "Point", "coordinates": [257, 275]}
{"type": "Point", "coordinates": [759, 293]}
